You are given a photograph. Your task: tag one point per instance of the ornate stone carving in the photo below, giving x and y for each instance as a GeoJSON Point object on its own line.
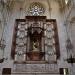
{"type": "Point", "coordinates": [36, 68]}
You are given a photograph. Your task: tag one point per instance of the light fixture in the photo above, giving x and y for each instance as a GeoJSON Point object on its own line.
{"type": "Point", "coordinates": [64, 71]}
{"type": "Point", "coordinates": [66, 1]}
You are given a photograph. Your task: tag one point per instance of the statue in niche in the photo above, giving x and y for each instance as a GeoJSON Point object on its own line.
{"type": "Point", "coordinates": [35, 46]}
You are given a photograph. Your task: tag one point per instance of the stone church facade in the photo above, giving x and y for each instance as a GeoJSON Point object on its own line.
{"type": "Point", "coordinates": [37, 37]}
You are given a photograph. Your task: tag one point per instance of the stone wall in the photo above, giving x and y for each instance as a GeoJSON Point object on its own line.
{"type": "Point", "coordinates": [54, 13]}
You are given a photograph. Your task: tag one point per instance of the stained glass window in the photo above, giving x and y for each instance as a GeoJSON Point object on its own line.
{"type": "Point", "coordinates": [36, 9]}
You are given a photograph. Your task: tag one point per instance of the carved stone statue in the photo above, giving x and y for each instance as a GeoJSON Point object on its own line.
{"type": "Point", "coordinates": [36, 46]}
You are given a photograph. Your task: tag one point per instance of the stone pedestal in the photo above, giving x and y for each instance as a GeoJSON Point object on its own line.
{"type": "Point", "coordinates": [35, 55]}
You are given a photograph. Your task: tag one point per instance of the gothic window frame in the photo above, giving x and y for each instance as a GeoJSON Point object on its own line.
{"type": "Point", "coordinates": [36, 9]}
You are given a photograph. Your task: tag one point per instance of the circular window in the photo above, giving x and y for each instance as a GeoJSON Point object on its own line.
{"type": "Point", "coordinates": [36, 9]}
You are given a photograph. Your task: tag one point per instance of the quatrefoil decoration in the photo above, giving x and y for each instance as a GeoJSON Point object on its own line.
{"type": "Point", "coordinates": [36, 9]}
